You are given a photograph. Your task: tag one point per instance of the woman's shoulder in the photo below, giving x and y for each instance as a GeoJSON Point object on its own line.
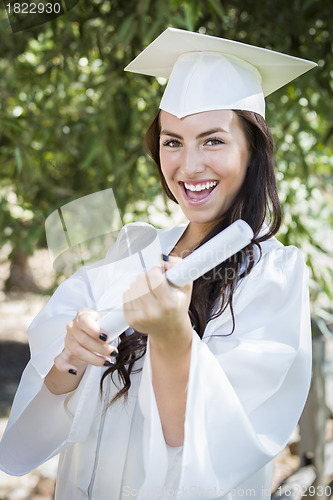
{"type": "Point", "coordinates": [273, 249]}
{"type": "Point", "coordinates": [279, 263]}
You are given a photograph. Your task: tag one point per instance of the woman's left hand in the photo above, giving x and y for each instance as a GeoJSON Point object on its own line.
{"type": "Point", "coordinates": [155, 307]}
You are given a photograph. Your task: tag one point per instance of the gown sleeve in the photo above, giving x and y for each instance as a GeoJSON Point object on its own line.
{"type": "Point", "coordinates": [42, 424]}
{"type": "Point", "coordinates": [246, 391]}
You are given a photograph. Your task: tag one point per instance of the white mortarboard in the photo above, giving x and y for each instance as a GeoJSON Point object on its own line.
{"type": "Point", "coordinates": [208, 73]}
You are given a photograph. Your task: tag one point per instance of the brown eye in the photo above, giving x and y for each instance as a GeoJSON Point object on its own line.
{"type": "Point", "coordinates": [213, 141]}
{"type": "Point", "coordinates": [172, 143]}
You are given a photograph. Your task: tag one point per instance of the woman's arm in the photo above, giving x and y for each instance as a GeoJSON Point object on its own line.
{"type": "Point", "coordinates": [170, 371]}
{"type": "Point", "coordinates": [154, 307]}
{"type": "Point", "coordinates": [59, 382]}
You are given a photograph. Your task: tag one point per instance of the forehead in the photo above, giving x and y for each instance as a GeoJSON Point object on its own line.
{"type": "Point", "coordinates": [224, 119]}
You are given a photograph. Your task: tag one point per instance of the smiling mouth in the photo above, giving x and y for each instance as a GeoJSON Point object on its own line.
{"type": "Point", "coordinates": [199, 191]}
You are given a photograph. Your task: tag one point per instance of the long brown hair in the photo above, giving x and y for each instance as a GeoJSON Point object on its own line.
{"type": "Point", "coordinates": [257, 203]}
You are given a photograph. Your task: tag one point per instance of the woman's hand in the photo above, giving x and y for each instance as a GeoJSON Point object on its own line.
{"type": "Point", "coordinates": [85, 344]}
{"type": "Point", "coordinates": [155, 307]}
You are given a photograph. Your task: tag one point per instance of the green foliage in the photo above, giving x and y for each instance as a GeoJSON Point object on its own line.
{"type": "Point", "coordinates": [72, 122]}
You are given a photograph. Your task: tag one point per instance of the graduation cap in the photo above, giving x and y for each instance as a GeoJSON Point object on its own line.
{"type": "Point", "coordinates": [207, 73]}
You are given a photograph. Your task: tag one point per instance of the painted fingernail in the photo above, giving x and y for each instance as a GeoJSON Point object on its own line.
{"type": "Point", "coordinates": [103, 337]}
{"type": "Point", "coordinates": [72, 371]}
{"type": "Point", "coordinates": [165, 257]}
{"type": "Point", "coordinates": [107, 363]}
{"type": "Point", "coordinates": [114, 354]}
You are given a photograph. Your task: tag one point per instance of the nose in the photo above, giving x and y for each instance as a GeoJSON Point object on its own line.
{"type": "Point", "coordinates": [191, 162]}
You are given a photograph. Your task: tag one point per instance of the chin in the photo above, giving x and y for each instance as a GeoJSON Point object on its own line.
{"type": "Point", "coordinates": [204, 220]}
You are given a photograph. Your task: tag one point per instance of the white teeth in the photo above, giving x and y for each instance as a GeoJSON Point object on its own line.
{"type": "Point", "coordinates": [200, 187]}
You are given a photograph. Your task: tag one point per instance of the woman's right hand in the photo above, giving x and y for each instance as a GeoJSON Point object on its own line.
{"type": "Point", "coordinates": [85, 343]}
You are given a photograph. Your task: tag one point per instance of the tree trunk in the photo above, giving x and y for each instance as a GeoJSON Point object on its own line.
{"type": "Point", "coordinates": [20, 278]}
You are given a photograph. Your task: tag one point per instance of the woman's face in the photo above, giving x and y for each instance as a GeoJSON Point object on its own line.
{"type": "Point", "coordinates": [204, 160]}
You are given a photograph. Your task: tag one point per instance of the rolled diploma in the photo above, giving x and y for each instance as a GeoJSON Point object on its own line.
{"type": "Point", "coordinates": [218, 249]}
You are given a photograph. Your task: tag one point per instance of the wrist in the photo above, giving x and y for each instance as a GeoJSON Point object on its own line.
{"type": "Point", "coordinates": [178, 340]}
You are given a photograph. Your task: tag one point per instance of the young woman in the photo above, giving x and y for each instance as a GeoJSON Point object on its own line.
{"type": "Point", "coordinates": [203, 390]}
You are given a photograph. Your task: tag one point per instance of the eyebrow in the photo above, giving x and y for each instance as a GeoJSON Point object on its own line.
{"type": "Point", "coordinates": [200, 136]}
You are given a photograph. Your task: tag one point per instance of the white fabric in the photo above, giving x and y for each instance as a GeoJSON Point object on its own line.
{"type": "Point", "coordinates": [206, 81]}
{"type": "Point", "coordinates": [245, 394]}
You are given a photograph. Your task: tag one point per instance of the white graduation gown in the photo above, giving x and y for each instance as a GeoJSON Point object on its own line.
{"type": "Point", "coordinates": [245, 395]}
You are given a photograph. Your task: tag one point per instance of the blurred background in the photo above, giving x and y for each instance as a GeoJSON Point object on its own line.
{"type": "Point", "coordinates": [72, 123]}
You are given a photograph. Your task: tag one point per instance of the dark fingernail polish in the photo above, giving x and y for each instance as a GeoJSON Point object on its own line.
{"type": "Point", "coordinates": [103, 337]}
{"type": "Point", "coordinates": [165, 257]}
{"type": "Point", "coordinates": [72, 371]}
{"type": "Point", "coordinates": [114, 354]}
{"type": "Point", "coordinates": [107, 363]}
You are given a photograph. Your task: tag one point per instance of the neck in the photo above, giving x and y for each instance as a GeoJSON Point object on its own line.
{"type": "Point", "coordinates": [191, 238]}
